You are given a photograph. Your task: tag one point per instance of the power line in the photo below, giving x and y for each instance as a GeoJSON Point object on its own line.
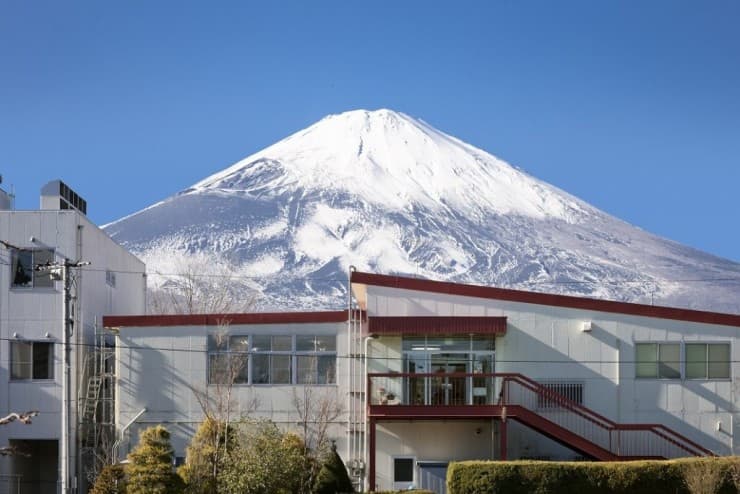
{"type": "Point", "coordinates": [348, 357]}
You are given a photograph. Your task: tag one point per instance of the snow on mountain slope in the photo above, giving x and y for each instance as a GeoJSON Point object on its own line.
{"type": "Point", "coordinates": [390, 194]}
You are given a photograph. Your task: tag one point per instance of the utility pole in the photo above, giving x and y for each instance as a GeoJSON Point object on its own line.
{"type": "Point", "coordinates": [60, 271]}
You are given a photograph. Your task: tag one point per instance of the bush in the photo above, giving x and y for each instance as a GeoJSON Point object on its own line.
{"type": "Point", "coordinates": [112, 480]}
{"type": "Point", "coordinates": [150, 464]}
{"type": "Point", "coordinates": [541, 477]}
{"type": "Point", "coordinates": [206, 456]}
{"type": "Point", "coordinates": [333, 476]}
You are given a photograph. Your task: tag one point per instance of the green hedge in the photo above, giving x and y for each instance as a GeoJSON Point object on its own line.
{"type": "Point", "coordinates": [414, 491]}
{"type": "Point", "coordinates": [545, 477]}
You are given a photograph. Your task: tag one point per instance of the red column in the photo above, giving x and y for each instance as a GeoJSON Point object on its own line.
{"type": "Point", "coordinates": [371, 453]}
{"type": "Point", "coordinates": [502, 432]}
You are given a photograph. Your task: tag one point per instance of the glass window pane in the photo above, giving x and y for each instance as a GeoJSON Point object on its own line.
{"type": "Point", "coordinates": [261, 343]}
{"type": "Point", "coordinates": [261, 368]}
{"type": "Point", "coordinates": [304, 343]}
{"type": "Point", "coordinates": [306, 369]}
{"type": "Point", "coordinates": [42, 361]}
{"type": "Point", "coordinates": [413, 342]}
{"type": "Point", "coordinates": [326, 343]}
{"type": "Point", "coordinates": [239, 343]}
{"type": "Point", "coordinates": [403, 470]}
{"type": "Point", "coordinates": [42, 278]}
{"type": "Point", "coordinates": [646, 360]}
{"type": "Point", "coordinates": [696, 361]}
{"type": "Point", "coordinates": [669, 360]}
{"type": "Point", "coordinates": [217, 368]}
{"type": "Point", "coordinates": [282, 343]}
{"type": "Point", "coordinates": [217, 341]}
{"type": "Point", "coordinates": [20, 356]}
{"type": "Point", "coordinates": [280, 369]}
{"type": "Point", "coordinates": [484, 343]}
{"type": "Point", "coordinates": [719, 361]}
{"type": "Point", "coordinates": [327, 365]}
{"type": "Point", "coordinates": [21, 264]}
{"type": "Point", "coordinates": [239, 368]}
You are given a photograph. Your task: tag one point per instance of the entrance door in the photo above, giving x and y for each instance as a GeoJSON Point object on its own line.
{"type": "Point", "coordinates": [416, 392]}
{"type": "Point", "coordinates": [449, 390]}
{"type": "Point", "coordinates": [433, 476]}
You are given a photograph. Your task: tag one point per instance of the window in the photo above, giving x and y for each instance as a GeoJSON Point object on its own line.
{"type": "Point", "coordinates": [22, 265]}
{"type": "Point", "coordinates": [31, 360]}
{"type": "Point", "coordinates": [272, 362]}
{"type": "Point", "coordinates": [316, 359]}
{"type": "Point", "coordinates": [274, 359]}
{"type": "Point", "coordinates": [707, 360]}
{"type": "Point", "coordinates": [228, 359]}
{"type": "Point", "coordinates": [658, 360]}
{"type": "Point", "coordinates": [403, 469]}
{"type": "Point", "coordinates": [573, 391]}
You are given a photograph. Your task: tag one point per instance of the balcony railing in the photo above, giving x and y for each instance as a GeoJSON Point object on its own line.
{"type": "Point", "coordinates": [537, 403]}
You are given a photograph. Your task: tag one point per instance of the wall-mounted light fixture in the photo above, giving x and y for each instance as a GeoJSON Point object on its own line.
{"type": "Point", "coordinates": [587, 326]}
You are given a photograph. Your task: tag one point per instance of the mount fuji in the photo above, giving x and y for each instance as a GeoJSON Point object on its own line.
{"type": "Point", "coordinates": [390, 194]}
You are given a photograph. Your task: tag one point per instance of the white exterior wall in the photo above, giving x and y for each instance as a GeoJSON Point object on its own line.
{"type": "Point", "coordinates": [31, 313]}
{"type": "Point", "coordinates": [158, 368]}
{"type": "Point", "coordinates": [547, 343]}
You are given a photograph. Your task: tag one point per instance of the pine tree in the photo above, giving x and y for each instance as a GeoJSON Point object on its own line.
{"type": "Point", "coordinates": [206, 457]}
{"type": "Point", "coordinates": [112, 480]}
{"type": "Point", "coordinates": [150, 464]}
{"type": "Point", "coordinates": [333, 477]}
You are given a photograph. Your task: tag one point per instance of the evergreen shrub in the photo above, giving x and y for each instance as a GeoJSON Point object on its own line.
{"type": "Point", "coordinates": [549, 477]}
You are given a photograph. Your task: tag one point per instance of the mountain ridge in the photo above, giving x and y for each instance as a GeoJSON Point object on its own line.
{"type": "Point", "coordinates": [388, 193]}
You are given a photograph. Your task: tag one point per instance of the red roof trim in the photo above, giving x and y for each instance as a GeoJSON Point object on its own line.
{"type": "Point", "coordinates": [216, 319]}
{"type": "Point", "coordinates": [545, 299]}
{"type": "Point", "coordinates": [431, 325]}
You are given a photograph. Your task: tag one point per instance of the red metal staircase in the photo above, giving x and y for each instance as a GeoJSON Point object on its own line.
{"type": "Point", "coordinates": [584, 430]}
{"type": "Point", "coordinates": [509, 396]}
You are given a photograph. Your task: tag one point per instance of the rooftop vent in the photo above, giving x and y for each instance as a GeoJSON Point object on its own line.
{"type": "Point", "coordinates": [57, 195]}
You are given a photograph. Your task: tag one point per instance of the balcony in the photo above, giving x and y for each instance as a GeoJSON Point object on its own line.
{"type": "Point", "coordinates": [503, 396]}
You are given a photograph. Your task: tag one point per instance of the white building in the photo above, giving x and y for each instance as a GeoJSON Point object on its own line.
{"type": "Point", "coordinates": [164, 364]}
{"type": "Point", "coordinates": [454, 372]}
{"type": "Point", "coordinates": [31, 332]}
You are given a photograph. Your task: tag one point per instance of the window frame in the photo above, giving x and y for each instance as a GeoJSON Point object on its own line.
{"type": "Point", "coordinates": [32, 363]}
{"type": "Point", "coordinates": [35, 275]}
{"type": "Point", "coordinates": [683, 360]}
{"type": "Point", "coordinates": [215, 348]}
{"type": "Point", "coordinates": [707, 362]}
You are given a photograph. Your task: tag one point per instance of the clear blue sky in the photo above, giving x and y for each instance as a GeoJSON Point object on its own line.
{"type": "Point", "coordinates": [632, 106]}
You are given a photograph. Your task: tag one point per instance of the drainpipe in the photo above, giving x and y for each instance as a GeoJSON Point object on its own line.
{"type": "Point", "coordinates": [123, 431]}
{"type": "Point", "coordinates": [364, 453]}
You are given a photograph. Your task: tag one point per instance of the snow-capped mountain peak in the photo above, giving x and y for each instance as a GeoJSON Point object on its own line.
{"type": "Point", "coordinates": [394, 160]}
{"type": "Point", "coordinates": [388, 193]}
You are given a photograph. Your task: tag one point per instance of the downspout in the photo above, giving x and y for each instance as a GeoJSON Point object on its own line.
{"type": "Point", "coordinates": [350, 366]}
{"type": "Point", "coordinates": [122, 432]}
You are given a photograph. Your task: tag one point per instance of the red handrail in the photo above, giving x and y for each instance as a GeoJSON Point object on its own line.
{"type": "Point", "coordinates": [607, 426]}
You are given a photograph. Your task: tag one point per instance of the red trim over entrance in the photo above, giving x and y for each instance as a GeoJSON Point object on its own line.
{"type": "Point", "coordinates": [436, 325]}
{"type": "Point", "coordinates": [545, 299]}
{"type": "Point", "coordinates": [217, 319]}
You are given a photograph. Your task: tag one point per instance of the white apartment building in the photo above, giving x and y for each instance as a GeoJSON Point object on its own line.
{"type": "Point", "coordinates": [432, 372]}
{"type": "Point", "coordinates": [31, 335]}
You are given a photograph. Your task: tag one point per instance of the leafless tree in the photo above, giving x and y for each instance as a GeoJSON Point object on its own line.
{"type": "Point", "coordinates": [317, 409]}
{"type": "Point", "coordinates": [200, 284]}
{"type": "Point", "coordinates": [216, 398]}
{"type": "Point", "coordinates": [24, 418]}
